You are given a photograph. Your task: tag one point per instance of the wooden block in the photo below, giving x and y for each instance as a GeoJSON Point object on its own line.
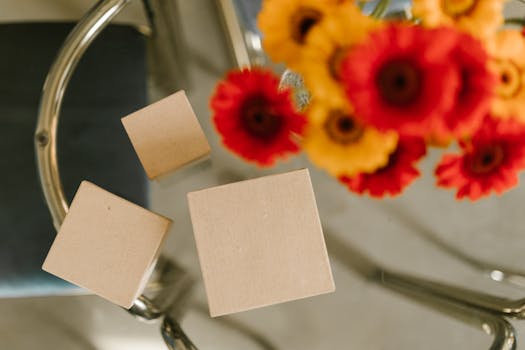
{"type": "Point", "coordinates": [107, 245]}
{"type": "Point", "coordinates": [166, 135]}
{"type": "Point", "coordinates": [260, 242]}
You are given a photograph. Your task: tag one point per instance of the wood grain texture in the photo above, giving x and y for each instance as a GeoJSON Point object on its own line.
{"type": "Point", "coordinates": [260, 242]}
{"type": "Point", "coordinates": [107, 245]}
{"type": "Point", "coordinates": [166, 135]}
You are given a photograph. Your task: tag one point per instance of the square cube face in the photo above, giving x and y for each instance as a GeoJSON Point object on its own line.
{"type": "Point", "coordinates": [260, 242]}
{"type": "Point", "coordinates": [166, 135]}
{"type": "Point", "coordinates": [107, 245]}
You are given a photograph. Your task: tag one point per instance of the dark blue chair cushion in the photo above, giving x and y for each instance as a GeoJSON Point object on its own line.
{"type": "Point", "coordinates": [109, 83]}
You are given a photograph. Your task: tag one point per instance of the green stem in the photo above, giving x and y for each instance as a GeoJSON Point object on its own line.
{"type": "Point", "coordinates": [380, 9]}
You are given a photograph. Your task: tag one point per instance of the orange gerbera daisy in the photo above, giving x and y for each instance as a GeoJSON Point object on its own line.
{"type": "Point", "coordinates": [490, 161]}
{"type": "Point", "coordinates": [480, 18]}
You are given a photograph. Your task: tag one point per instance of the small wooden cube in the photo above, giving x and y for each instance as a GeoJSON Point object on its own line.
{"type": "Point", "coordinates": [166, 135]}
{"type": "Point", "coordinates": [260, 242]}
{"type": "Point", "coordinates": [107, 245]}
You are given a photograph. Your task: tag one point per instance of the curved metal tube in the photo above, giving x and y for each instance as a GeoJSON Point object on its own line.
{"type": "Point", "coordinates": [174, 337]}
{"type": "Point", "coordinates": [504, 334]}
{"type": "Point", "coordinates": [46, 133]}
{"type": "Point", "coordinates": [144, 309]}
{"type": "Point", "coordinates": [52, 96]}
{"type": "Point", "coordinates": [441, 297]}
{"type": "Point", "coordinates": [502, 306]}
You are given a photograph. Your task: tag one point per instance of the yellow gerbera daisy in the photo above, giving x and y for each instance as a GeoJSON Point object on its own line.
{"type": "Point", "coordinates": [326, 47]}
{"type": "Point", "coordinates": [338, 143]}
{"type": "Point", "coordinates": [481, 18]}
{"type": "Point", "coordinates": [287, 23]}
{"type": "Point", "coordinates": [508, 61]}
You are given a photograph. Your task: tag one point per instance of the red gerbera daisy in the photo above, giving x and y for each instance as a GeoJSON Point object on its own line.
{"type": "Point", "coordinates": [473, 99]}
{"type": "Point", "coordinates": [256, 120]}
{"type": "Point", "coordinates": [490, 160]}
{"type": "Point", "coordinates": [393, 178]}
{"type": "Point", "coordinates": [401, 78]}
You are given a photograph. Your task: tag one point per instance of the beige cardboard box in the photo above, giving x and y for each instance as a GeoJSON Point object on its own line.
{"type": "Point", "coordinates": [107, 245]}
{"type": "Point", "coordinates": [260, 242]}
{"type": "Point", "coordinates": [166, 135]}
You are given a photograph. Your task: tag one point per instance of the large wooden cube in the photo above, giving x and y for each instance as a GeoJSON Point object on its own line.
{"type": "Point", "coordinates": [107, 245]}
{"type": "Point", "coordinates": [260, 242]}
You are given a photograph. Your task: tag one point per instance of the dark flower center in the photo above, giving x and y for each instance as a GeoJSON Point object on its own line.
{"type": "Point", "coordinates": [465, 86]}
{"type": "Point", "coordinates": [487, 159]}
{"type": "Point", "coordinates": [335, 60]}
{"type": "Point", "coordinates": [342, 128]}
{"type": "Point", "coordinates": [259, 119]}
{"type": "Point", "coordinates": [303, 21]}
{"type": "Point", "coordinates": [399, 82]}
{"type": "Point", "coordinates": [510, 79]}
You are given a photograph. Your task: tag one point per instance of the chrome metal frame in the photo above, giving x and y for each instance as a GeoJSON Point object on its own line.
{"type": "Point", "coordinates": [482, 310]}
{"type": "Point", "coordinates": [51, 101]}
{"type": "Point", "coordinates": [46, 140]}
{"type": "Point", "coordinates": [235, 32]}
{"type": "Point", "coordinates": [443, 298]}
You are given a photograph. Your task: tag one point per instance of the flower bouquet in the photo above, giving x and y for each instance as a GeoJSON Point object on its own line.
{"type": "Point", "coordinates": [449, 76]}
